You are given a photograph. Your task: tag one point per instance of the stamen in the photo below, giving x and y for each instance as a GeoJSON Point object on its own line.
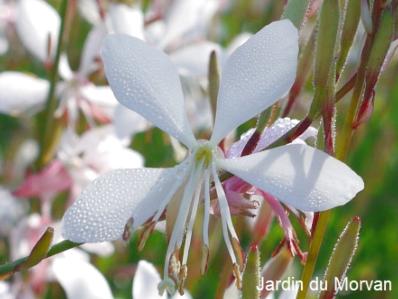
{"type": "Point", "coordinates": [163, 204]}
{"type": "Point", "coordinates": [223, 218]}
{"type": "Point", "coordinates": [238, 252]}
{"type": "Point", "coordinates": [128, 229]}
{"type": "Point", "coordinates": [182, 277]}
{"type": "Point", "coordinates": [179, 226]}
{"type": "Point", "coordinates": [205, 230]}
{"type": "Point", "coordinates": [205, 259]}
{"type": "Point", "coordinates": [223, 203]}
{"type": "Point", "coordinates": [237, 275]}
{"type": "Point", "coordinates": [206, 214]}
{"type": "Point", "coordinates": [148, 229]}
{"type": "Point", "coordinates": [188, 235]}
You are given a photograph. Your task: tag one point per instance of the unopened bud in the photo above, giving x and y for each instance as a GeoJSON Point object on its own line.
{"type": "Point", "coordinates": [40, 250]}
{"type": "Point", "coordinates": [351, 20]}
{"type": "Point", "coordinates": [341, 257]}
{"type": "Point", "coordinates": [275, 268]}
{"type": "Point", "coordinates": [251, 276]}
{"type": "Point", "coordinates": [214, 81]}
{"type": "Point", "coordinates": [295, 11]}
{"type": "Point", "coordinates": [366, 18]}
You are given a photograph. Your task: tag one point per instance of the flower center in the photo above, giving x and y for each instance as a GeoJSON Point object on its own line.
{"type": "Point", "coordinates": [204, 153]}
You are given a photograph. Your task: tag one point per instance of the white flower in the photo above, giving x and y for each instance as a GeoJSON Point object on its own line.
{"type": "Point", "coordinates": [146, 280]}
{"type": "Point", "coordinates": [37, 24]}
{"type": "Point", "coordinates": [93, 153]}
{"type": "Point", "coordinates": [72, 269]}
{"type": "Point", "coordinates": [11, 211]}
{"type": "Point", "coordinates": [255, 76]}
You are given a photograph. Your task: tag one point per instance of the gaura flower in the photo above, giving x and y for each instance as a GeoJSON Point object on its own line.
{"type": "Point", "coordinates": [255, 76]}
{"type": "Point", "coordinates": [146, 278]}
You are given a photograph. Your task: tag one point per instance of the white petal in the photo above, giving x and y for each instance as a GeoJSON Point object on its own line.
{"type": "Point", "coordinates": [6, 291]}
{"type": "Point", "coordinates": [145, 283]}
{"type": "Point", "coordinates": [80, 279]}
{"type": "Point", "coordinates": [101, 249]}
{"type": "Point", "coordinates": [144, 80]}
{"type": "Point", "coordinates": [188, 16]}
{"type": "Point", "coordinates": [14, 99]}
{"type": "Point", "coordinates": [256, 75]}
{"type": "Point", "coordinates": [128, 122]}
{"type": "Point", "coordinates": [91, 49]}
{"type": "Point", "coordinates": [36, 21]}
{"type": "Point", "coordinates": [11, 212]}
{"type": "Point", "coordinates": [194, 59]}
{"type": "Point", "coordinates": [3, 44]}
{"type": "Point", "coordinates": [89, 10]}
{"type": "Point", "coordinates": [298, 175]}
{"type": "Point", "coordinates": [100, 95]}
{"type": "Point", "coordinates": [232, 292]}
{"type": "Point", "coordinates": [126, 20]}
{"type": "Point", "coordinates": [106, 205]}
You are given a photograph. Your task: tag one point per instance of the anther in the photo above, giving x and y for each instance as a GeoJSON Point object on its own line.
{"type": "Point", "coordinates": [238, 278]}
{"type": "Point", "coordinates": [205, 259]}
{"type": "Point", "coordinates": [127, 229]}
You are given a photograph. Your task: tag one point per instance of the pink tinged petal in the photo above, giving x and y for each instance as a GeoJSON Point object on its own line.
{"type": "Point", "coordinates": [80, 279]}
{"type": "Point", "coordinates": [46, 183]}
{"type": "Point", "coordinates": [298, 175]}
{"type": "Point", "coordinates": [193, 60]}
{"type": "Point", "coordinates": [105, 207]}
{"type": "Point", "coordinates": [145, 283]}
{"type": "Point", "coordinates": [14, 99]}
{"type": "Point", "coordinates": [144, 80]}
{"type": "Point", "coordinates": [36, 22]}
{"type": "Point", "coordinates": [270, 134]}
{"type": "Point", "coordinates": [128, 20]}
{"type": "Point", "coordinates": [256, 75]}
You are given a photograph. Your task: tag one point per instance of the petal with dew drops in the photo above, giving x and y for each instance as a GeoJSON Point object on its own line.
{"type": "Point", "coordinates": [36, 22]}
{"type": "Point", "coordinates": [102, 210]}
{"type": "Point", "coordinates": [14, 99]}
{"type": "Point", "coordinates": [256, 75]}
{"type": "Point", "coordinates": [298, 175]}
{"type": "Point", "coordinates": [144, 80]}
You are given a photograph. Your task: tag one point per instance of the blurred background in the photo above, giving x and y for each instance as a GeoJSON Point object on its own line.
{"type": "Point", "coordinates": [373, 155]}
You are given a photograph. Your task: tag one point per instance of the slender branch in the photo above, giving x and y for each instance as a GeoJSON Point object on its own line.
{"type": "Point", "coordinates": [12, 267]}
{"type": "Point", "coordinates": [316, 243]}
{"type": "Point", "coordinates": [51, 103]}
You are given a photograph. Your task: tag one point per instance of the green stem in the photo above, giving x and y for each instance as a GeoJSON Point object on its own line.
{"type": "Point", "coordinates": [316, 243]}
{"type": "Point", "coordinates": [57, 248]}
{"type": "Point", "coordinates": [51, 103]}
